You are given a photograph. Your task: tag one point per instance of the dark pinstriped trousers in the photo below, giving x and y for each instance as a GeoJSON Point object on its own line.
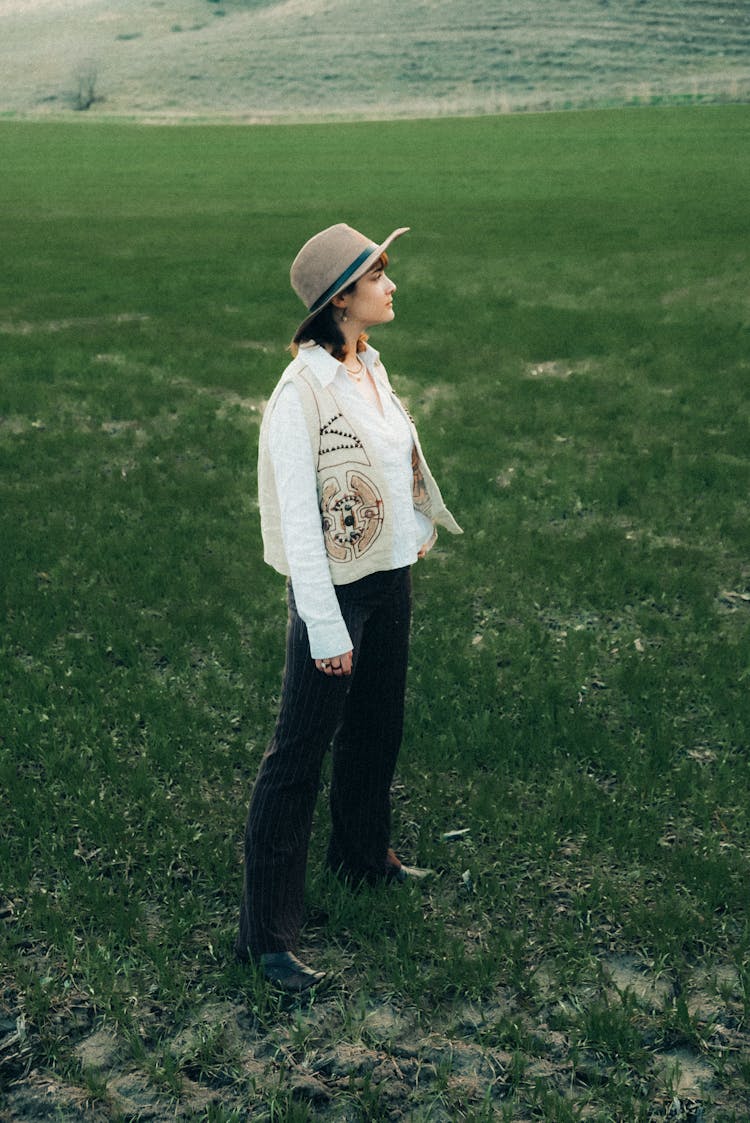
{"type": "Point", "coordinates": [361, 715]}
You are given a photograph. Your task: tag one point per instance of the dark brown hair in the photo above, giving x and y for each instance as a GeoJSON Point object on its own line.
{"type": "Point", "coordinates": [324, 330]}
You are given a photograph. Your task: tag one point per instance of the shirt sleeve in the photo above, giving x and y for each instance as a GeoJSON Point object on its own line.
{"type": "Point", "coordinates": [296, 485]}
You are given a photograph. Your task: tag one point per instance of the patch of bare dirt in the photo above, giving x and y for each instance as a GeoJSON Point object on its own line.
{"type": "Point", "coordinates": [22, 327]}
{"type": "Point", "coordinates": [629, 975]}
{"type": "Point", "coordinates": [332, 1055]}
{"type": "Point", "coordinates": [553, 369]}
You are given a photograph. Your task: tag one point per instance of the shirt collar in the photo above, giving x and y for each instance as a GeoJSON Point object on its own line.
{"type": "Point", "coordinates": [325, 367]}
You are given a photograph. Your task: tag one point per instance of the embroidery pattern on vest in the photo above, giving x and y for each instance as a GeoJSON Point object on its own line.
{"type": "Point", "coordinates": [352, 516]}
{"type": "Point", "coordinates": [419, 492]}
{"type": "Point", "coordinates": [351, 505]}
{"type": "Point", "coordinates": [337, 438]}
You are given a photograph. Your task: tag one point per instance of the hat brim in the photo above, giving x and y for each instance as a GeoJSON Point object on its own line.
{"type": "Point", "coordinates": [352, 279]}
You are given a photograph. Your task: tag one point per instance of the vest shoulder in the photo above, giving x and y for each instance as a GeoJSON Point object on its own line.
{"type": "Point", "coordinates": [295, 367]}
{"type": "Point", "coordinates": [293, 373]}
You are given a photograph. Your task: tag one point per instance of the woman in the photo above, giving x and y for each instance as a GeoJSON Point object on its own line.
{"type": "Point", "coordinates": [347, 504]}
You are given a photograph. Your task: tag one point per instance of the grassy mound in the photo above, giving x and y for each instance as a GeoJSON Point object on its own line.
{"type": "Point", "coordinates": [271, 60]}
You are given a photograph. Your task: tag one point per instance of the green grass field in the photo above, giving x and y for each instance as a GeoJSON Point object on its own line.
{"type": "Point", "coordinates": [572, 333]}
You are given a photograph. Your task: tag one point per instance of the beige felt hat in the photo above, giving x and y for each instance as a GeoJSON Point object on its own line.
{"type": "Point", "coordinates": [332, 260]}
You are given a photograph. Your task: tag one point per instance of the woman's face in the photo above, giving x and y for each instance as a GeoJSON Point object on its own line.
{"type": "Point", "coordinates": [371, 300]}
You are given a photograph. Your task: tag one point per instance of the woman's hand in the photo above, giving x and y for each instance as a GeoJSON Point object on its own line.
{"type": "Point", "coordinates": [337, 665]}
{"type": "Point", "coordinates": [424, 550]}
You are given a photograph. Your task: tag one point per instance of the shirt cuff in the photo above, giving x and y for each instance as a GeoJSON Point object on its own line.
{"type": "Point", "coordinates": [328, 639]}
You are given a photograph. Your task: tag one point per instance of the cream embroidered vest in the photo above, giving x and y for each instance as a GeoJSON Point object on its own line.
{"type": "Point", "coordinates": [356, 518]}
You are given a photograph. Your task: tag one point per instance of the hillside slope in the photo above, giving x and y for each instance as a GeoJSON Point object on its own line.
{"type": "Point", "coordinates": [294, 59]}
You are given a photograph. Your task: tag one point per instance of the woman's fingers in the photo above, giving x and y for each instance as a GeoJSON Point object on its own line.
{"type": "Point", "coordinates": [336, 665]}
{"type": "Point", "coordinates": [424, 550]}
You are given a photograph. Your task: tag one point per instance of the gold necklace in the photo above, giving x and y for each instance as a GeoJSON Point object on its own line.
{"type": "Point", "coordinates": [356, 374]}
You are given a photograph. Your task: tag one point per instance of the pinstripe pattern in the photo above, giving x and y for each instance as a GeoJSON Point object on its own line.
{"type": "Point", "coordinates": [363, 715]}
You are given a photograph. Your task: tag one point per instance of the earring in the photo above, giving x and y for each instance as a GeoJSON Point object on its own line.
{"type": "Point", "coordinates": [344, 316]}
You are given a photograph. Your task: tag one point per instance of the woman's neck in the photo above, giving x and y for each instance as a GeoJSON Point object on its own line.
{"type": "Point", "coordinates": [351, 340]}
{"type": "Point", "coordinates": [351, 347]}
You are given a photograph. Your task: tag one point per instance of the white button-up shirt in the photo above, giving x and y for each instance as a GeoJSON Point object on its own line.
{"type": "Point", "coordinates": [296, 483]}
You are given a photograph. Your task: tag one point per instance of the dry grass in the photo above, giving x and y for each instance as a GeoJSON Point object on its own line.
{"type": "Point", "coordinates": [328, 59]}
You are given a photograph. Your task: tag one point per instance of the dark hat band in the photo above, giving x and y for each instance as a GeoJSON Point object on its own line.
{"type": "Point", "coordinates": [341, 281]}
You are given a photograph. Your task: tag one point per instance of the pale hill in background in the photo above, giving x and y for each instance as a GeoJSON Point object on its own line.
{"type": "Point", "coordinates": [325, 59]}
